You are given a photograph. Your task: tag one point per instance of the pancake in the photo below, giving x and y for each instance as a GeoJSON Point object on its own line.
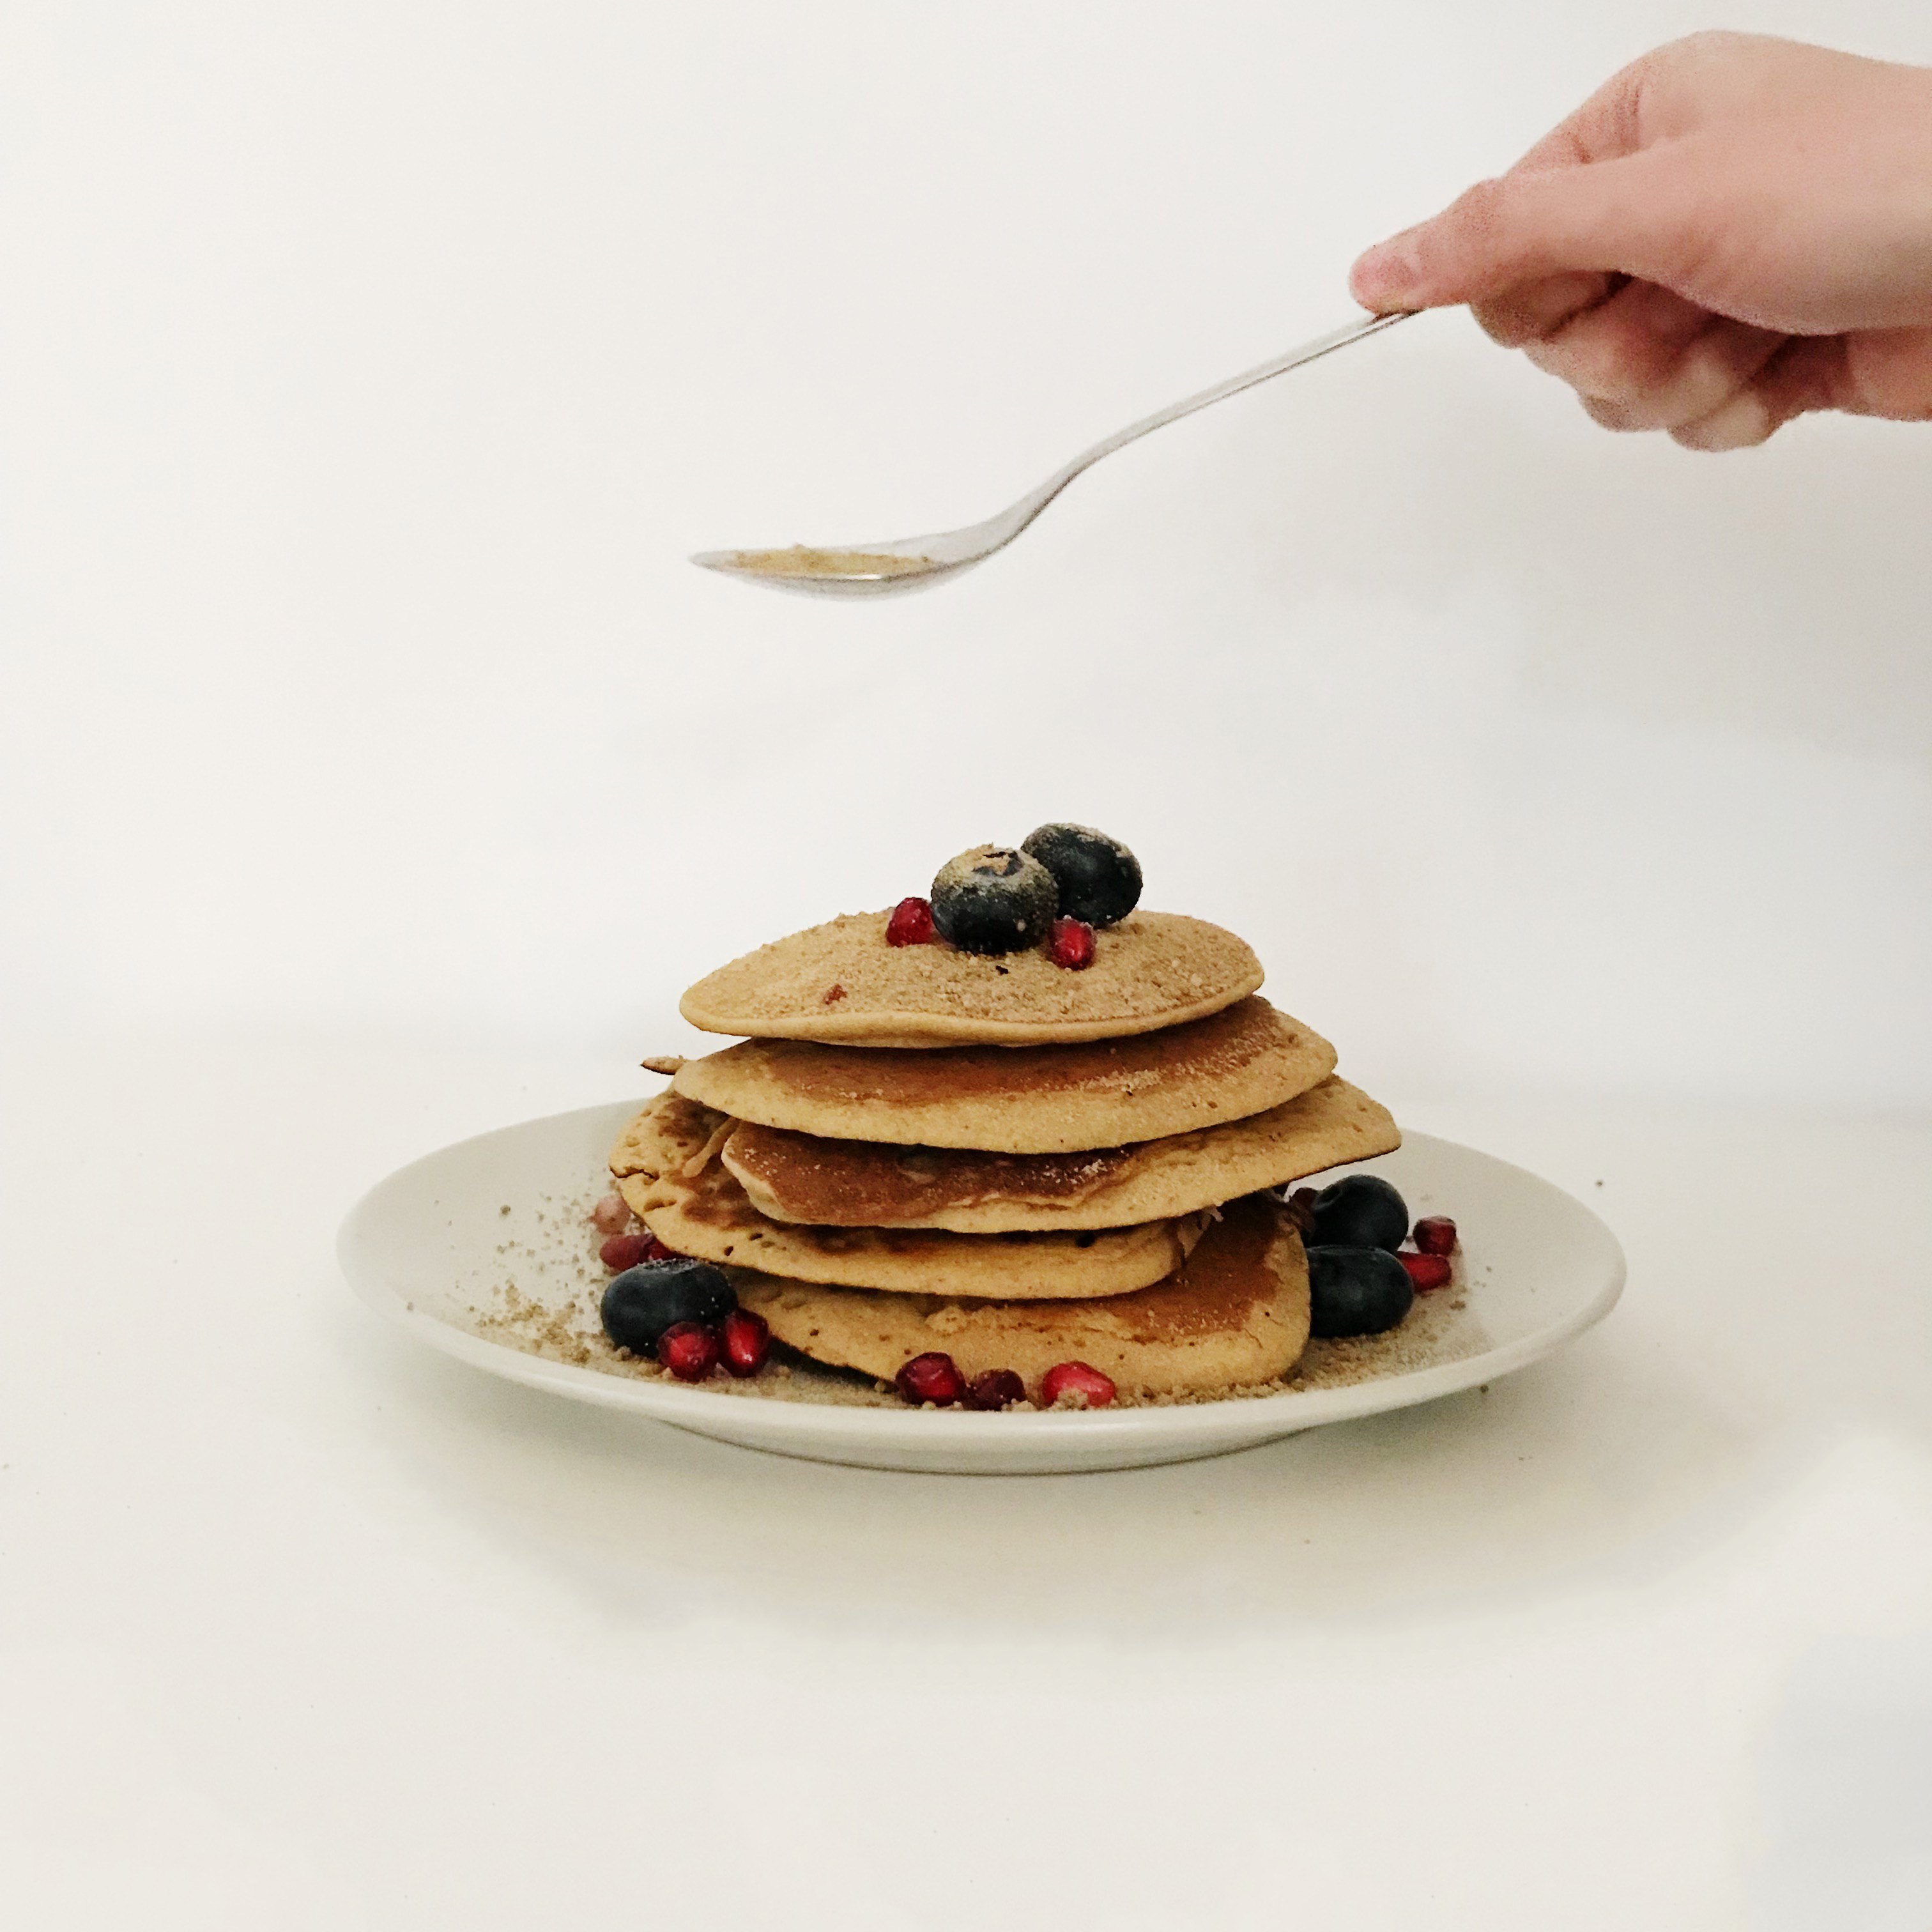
{"type": "Point", "coordinates": [799, 1177]}
{"type": "Point", "coordinates": [667, 1169]}
{"type": "Point", "coordinates": [841, 981]}
{"type": "Point", "coordinates": [1235, 1315]}
{"type": "Point", "coordinates": [1044, 1099]}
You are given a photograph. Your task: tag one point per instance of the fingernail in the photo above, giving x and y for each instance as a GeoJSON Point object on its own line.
{"type": "Point", "coordinates": [1742, 423]}
{"type": "Point", "coordinates": [1387, 275]}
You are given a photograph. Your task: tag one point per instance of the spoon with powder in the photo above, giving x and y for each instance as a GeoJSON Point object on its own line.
{"type": "Point", "coordinates": [911, 563]}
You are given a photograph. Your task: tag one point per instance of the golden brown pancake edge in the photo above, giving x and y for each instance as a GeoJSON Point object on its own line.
{"type": "Point", "coordinates": [1240, 1060]}
{"type": "Point", "coordinates": [840, 983]}
{"type": "Point", "coordinates": [1235, 1315]}
{"type": "Point", "coordinates": [666, 1167]}
{"type": "Point", "coordinates": [803, 1178]}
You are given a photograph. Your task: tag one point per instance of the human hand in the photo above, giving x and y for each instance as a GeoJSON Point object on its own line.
{"type": "Point", "coordinates": [1735, 230]}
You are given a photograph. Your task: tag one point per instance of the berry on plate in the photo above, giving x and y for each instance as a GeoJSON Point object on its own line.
{"type": "Point", "coordinates": [995, 1388]}
{"type": "Point", "coordinates": [1426, 1272]}
{"type": "Point", "coordinates": [640, 1303]}
{"type": "Point", "coordinates": [747, 1340]}
{"type": "Point", "coordinates": [1095, 1390]}
{"type": "Point", "coordinates": [1360, 1210]}
{"type": "Point", "coordinates": [1356, 1290]}
{"type": "Point", "coordinates": [612, 1215]}
{"type": "Point", "coordinates": [689, 1350]}
{"type": "Point", "coordinates": [1300, 1205]}
{"type": "Point", "coordinates": [619, 1251]}
{"type": "Point", "coordinates": [933, 1378]}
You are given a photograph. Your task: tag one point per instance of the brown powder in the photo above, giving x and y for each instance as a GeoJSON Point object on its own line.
{"type": "Point", "coordinates": [1439, 1328]}
{"type": "Point", "coordinates": [1153, 969]}
{"type": "Point", "coordinates": [548, 1307]}
{"type": "Point", "coordinates": [801, 560]}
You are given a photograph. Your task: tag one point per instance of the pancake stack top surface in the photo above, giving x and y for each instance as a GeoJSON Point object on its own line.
{"type": "Point", "coordinates": [1022, 1123]}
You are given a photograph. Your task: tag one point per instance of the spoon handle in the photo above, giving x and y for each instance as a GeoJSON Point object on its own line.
{"type": "Point", "coordinates": [907, 563]}
{"type": "Point", "coordinates": [1308, 351]}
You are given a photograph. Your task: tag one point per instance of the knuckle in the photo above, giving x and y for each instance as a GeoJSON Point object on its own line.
{"type": "Point", "coordinates": [1606, 362]}
{"type": "Point", "coordinates": [1479, 210]}
{"type": "Point", "coordinates": [1509, 320]}
{"type": "Point", "coordinates": [1442, 251]}
{"type": "Point", "coordinates": [1586, 367]}
{"type": "Point", "coordinates": [1536, 311]}
{"type": "Point", "coordinates": [1467, 227]}
{"type": "Point", "coordinates": [1709, 43]}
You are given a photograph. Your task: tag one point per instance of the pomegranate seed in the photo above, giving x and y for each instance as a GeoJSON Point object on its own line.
{"type": "Point", "coordinates": [1301, 1209]}
{"type": "Point", "coordinates": [1435, 1234]}
{"type": "Point", "coordinates": [931, 1378]}
{"type": "Point", "coordinates": [747, 1341]}
{"type": "Point", "coordinates": [612, 1214]}
{"type": "Point", "coordinates": [1071, 944]}
{"type": "Point", "coordinates": [625, 1251]}
{"type": "Point", "coordinates": [993, 1388]}
{"type": "Point", "coordinates": [1427, 1272]}
{"type": "Point", "coordinates": [620, 1252]}
{"type": "Point", "coordinates": [689, 1350]}
{"type": "Point", "coordinates": [1096, 1390]}
{"type": "Point", "coordinates": [910, 924]}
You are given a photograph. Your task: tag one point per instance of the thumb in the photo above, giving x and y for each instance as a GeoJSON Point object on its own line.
{"type": "Point", "coordinates": [1615, 217]}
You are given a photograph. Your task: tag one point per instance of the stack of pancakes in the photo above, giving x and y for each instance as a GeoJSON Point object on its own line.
{"type": "Point", "coordinates": [920, 1149]}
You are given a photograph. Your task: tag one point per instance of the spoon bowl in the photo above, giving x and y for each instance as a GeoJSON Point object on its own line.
{"type": "Point", "coordinates": [899, 564]}
{"type": "Point", "coordinates": [885, 569]}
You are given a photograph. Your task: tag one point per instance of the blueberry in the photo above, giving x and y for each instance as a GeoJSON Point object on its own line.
{"type": "Point", "coordinates": [994, 899]}
{"type": "Point", "coordinates": [640, 1303]}
{"type": "Point", "coordinates": [1099, 879]}
{"type": "Point", "coordinates": [1356, 1291]}
{"type": "Point", "coordinates": [1360, 1210]}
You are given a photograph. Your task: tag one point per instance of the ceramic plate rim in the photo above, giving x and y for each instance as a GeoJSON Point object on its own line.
{"type": "Point", "coordinates": [816, 1428]}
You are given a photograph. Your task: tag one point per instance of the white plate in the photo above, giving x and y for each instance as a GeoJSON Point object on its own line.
{"type": "Point", "coordinates": [431, 1245]}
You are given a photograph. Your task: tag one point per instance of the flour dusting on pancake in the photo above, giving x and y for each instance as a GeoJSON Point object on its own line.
{"type": "Point", "coordinates": [841, 981]}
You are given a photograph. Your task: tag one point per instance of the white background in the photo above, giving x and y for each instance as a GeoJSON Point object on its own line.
{"type": "Point", "coordinates": [367, 372]}
{"type": "Point", "coordinates": [374, 768]}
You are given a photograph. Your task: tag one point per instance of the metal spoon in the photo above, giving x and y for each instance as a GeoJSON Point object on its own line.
{"type": "Point", "coordinates": [911, 563]}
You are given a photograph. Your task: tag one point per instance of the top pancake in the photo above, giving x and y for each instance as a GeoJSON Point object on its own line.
{"type": "Point", "coordinates": [840, 983]}
{"type": "Point", "coordinates": [1048, 1099]}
